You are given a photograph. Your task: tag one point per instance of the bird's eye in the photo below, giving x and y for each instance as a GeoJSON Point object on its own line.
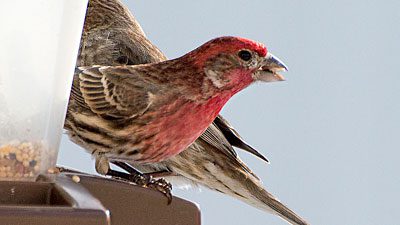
{"type": "Point", "coordinates": [244, 55]}
{"type": "Point", "coordinates": [122, 60]}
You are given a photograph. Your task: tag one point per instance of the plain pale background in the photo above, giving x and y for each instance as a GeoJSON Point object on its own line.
{"type": "Point", "coordinates": [331, 131]}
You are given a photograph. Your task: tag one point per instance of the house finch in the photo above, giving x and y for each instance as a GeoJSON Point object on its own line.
{"type": "Point", "coordinates": [112, 37]}
{"type": "Point", "coordinates": [150, 112]}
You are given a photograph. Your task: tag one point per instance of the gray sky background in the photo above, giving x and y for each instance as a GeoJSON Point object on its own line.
{"type": "Point", "coordinates": [331, 131]}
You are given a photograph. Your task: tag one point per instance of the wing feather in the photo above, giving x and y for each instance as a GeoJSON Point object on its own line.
{"type": "Point", "coordinates": [111, 91]}
{"type": "Point", "coordinates": [234, 138]}
{"type": "Point", "coordinates": [213, 136]}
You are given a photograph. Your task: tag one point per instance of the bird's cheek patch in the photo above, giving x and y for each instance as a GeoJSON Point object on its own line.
{"type": "Point", "coordinates": [215, 78]}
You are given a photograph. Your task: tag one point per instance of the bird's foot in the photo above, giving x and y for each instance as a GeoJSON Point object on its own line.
{"type": "Point", "coordinates": [159, 184]}
{"type": "Point", "coordinates": [146, 181]}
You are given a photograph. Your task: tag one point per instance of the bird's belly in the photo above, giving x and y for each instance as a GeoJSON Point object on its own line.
{"type": "Point", "coordinates": [177, 129]}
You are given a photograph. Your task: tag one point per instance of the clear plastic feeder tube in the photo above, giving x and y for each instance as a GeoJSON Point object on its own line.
{"type": "Point", "coordinates": [39, 42]}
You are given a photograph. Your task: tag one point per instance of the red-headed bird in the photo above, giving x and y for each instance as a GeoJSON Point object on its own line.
{"type": "Point", "coordinates": [112, 36]}
{"type": "Point", "coordinates": [148, 113]}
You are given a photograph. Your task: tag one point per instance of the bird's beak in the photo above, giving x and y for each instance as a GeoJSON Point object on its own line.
{"type": "Point", "coordinates": [268, 72]}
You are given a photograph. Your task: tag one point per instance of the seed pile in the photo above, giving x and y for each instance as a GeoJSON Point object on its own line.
{"type": "Point", "coordinates": [20, 160]}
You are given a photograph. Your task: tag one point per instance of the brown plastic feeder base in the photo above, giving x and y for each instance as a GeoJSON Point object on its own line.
{"type": "Point", "coordinates": [89, 200]}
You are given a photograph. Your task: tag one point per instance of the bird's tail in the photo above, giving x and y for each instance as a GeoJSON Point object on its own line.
{"type": "Point", "coordinates": [254, 194]}
{"type": "Point", "coordinates": [242, 185]}
{"type": "Point", "coordinates": [206, 166]}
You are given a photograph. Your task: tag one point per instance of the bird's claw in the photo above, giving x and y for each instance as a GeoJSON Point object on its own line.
{"type": "Point", "coordinates": [160, 185]}
{"type": "Point", "coordinates": [144, 180]}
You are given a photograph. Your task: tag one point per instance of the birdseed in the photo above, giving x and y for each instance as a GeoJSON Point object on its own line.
{"type": "Point", "coordinates": [76, 178]}
{"type": "Point", "coordinates": [20, 160]}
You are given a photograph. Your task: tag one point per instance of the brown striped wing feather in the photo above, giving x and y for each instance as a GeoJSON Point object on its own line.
{"type": "Point", "coordinates": [106, 91]}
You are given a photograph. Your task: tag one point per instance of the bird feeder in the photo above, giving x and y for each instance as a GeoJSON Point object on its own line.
{"type": "Point", "coordinates": [39, 43]}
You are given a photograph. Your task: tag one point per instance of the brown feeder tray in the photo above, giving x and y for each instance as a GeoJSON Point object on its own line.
{"type": "Point", "coordinates": [75, 198]}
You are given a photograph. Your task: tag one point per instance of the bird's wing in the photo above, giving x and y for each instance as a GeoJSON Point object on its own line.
{"type": "Point", "coordinates": [111, 91]}
{"type": "Point", "coordinates": [234, 138]}
{"type": "Point", "coordinates": [214, 137]}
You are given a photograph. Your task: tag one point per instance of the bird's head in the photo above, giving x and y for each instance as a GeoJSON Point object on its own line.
{"type": "Point", "coordinates": [233, 63]}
